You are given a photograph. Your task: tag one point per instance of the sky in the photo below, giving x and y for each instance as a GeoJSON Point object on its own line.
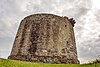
{"type": "Point", "coordinates": [85, 12]}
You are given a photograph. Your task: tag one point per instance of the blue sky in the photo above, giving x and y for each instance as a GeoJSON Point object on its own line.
{"type": "Point", "coordinates": [85, 12]}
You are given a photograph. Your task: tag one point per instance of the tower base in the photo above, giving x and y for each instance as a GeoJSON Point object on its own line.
{"type": "Point", "coordinates": [44, 59]}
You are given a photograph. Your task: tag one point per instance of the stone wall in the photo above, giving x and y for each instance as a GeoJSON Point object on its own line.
{"type": "Point", "coordinates": [45, 38]}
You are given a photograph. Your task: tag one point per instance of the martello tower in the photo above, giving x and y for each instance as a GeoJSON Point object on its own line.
{"type": "Point", "coordinates": [45, 38]}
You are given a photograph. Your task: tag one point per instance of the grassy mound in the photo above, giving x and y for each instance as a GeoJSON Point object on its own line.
{"type": "Point", "coordinates": [16, 63]}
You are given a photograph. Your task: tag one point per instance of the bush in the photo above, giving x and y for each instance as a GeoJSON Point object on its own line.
{"type": "Point", "coordinates": [96, 61]}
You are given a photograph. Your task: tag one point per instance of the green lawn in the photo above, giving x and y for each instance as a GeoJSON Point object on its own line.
{"type": "Point", "coordinates": [15, 63]}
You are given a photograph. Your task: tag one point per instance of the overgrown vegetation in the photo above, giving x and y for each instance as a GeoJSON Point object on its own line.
{"type": "Point", "coordinates": [16, 63]}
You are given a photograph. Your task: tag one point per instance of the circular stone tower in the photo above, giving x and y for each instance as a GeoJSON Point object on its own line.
{"type": "Point", "coordinates": [45, 38]}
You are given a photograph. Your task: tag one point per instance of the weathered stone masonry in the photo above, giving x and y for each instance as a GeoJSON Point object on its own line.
{"type": "Point", "coordinates": [45, 38]}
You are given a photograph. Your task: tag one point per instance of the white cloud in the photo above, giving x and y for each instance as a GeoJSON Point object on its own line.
{"type": "Point", "coordinates": [96, 4]}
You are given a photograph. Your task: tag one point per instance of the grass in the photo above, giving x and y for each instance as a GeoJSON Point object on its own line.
{"type": "Point", "coordinates": [16, 63]}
